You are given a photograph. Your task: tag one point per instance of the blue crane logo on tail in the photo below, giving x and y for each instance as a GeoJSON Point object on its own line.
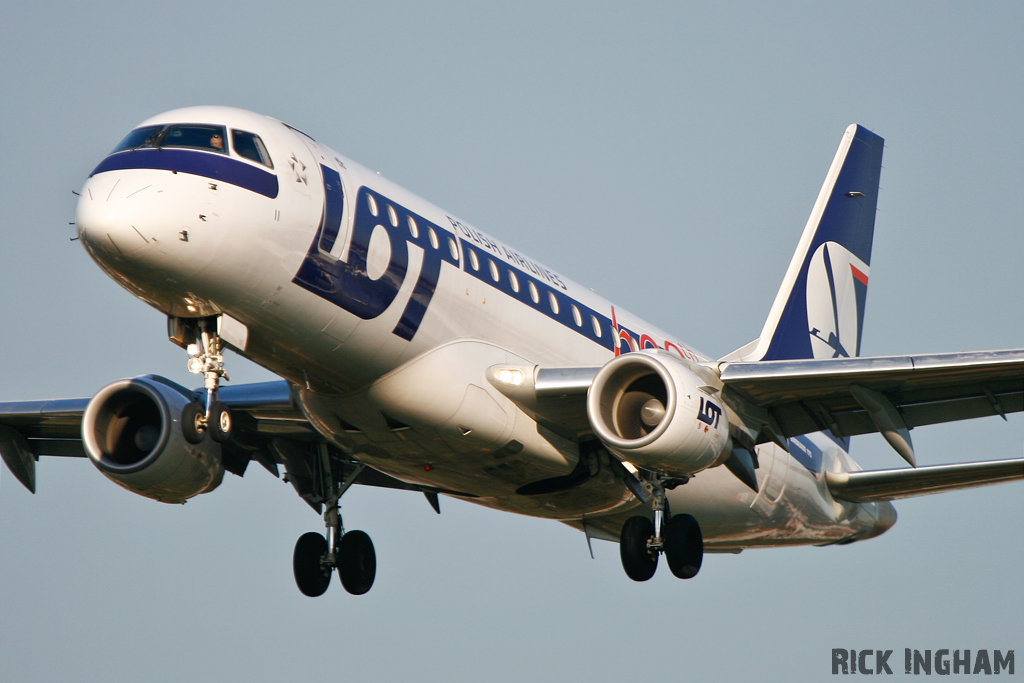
{"type": "Point", "coordinates": [837, 284]}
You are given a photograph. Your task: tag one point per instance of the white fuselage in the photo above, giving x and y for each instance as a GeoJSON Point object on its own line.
{"type": "Point", "coordinates": [388, 321]}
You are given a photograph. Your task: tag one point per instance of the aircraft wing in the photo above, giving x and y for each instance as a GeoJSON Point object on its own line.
{"type": "Point", "coordinates": [269, 428]}
{"type": "Point", "coordinates": [803, 396]}
{"type": "Point", "coordinates": [861, 487]}
{"type": "Point", "coordinates": [778, 400]}
{"type": "Point", "coordinates": [887, 394]}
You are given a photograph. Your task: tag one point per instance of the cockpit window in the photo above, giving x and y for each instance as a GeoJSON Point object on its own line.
{"type": "Point", "coordinates": [140, 137]}
{"type": "Point", "coordinates": [210, 138]}
{"type": "Point", "coordinates": [250, 146]}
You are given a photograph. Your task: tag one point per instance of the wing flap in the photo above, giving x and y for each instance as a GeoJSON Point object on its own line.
{"type": "Point", "coordinates": [877, 485]}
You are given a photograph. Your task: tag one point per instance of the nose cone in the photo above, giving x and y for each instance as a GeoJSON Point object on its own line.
{"type": "Point", "coordinates": [147, 226]}
{"type": "Point", "coordinates": [105, 217]}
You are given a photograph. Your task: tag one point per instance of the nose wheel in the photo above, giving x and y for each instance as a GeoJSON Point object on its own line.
{"type": "Point", "coordinates": [205, 358]}
{"type": "Point", "coordinates": [680, 539]}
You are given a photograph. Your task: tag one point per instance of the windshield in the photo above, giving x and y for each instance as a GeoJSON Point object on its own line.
{"type": "Point", "coordinates": [196, 136]}
{"type": "Point", "coordinates": [140, 137]}
{"type": "Point", "coordinates": [207, 137]}
{"type": "Point", "coordinates": [210, 138]}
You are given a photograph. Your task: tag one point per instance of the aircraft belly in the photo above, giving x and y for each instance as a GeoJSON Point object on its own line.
{"type": "Point", "coordinates": [494, 485]}
{"type": "Point", "coordinates": [802, 514]}
{"type": "Point", "coordinates": [487, 477]}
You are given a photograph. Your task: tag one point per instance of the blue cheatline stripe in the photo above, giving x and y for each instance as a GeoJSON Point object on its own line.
{"type": "Point", "coordinates": [565, 303]}
{"type": "Point", "coordinates": [194, 162]}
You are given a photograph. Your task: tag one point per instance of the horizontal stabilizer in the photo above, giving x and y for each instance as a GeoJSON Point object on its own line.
{"type": "Point", "coordinates": [875, 485]}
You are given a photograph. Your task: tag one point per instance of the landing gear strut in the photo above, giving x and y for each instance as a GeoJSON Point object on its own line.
{"type": "Point", "coordinates": [350, 553]}
{"type": "Point", "coordinates": [642, 540]}
{"type": "Point", "coordinates": [205, 358]}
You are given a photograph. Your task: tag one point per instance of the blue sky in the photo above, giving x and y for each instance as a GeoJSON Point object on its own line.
{"type": "Point", "coordinates": [655, 152]}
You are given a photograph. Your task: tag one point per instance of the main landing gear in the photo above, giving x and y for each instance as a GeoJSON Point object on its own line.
{"type": "Point", "coordinates": [205, 358]}
{"type": "Point", "coordinates": [642, 540]}
{"type": "Point", "coordinates": [351, 553]}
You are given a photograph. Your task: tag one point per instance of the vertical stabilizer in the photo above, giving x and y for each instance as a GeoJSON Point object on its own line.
{"type": "Point", "coordinates": [819, 310]}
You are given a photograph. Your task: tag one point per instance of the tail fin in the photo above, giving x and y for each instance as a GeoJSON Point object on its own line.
{"type": "Point", "coordinates": [819, 310]}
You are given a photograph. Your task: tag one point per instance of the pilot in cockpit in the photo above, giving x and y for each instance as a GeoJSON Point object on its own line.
{"type": "Point", "coordinates": [217, 142]}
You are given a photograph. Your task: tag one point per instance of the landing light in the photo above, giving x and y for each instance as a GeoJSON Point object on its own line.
{"type": "Point", "coordinates": [195, 366]}
{"type": "Point", "coordinates": [509, 376]}
{"type": "Point", "coordinates": [192, 350]}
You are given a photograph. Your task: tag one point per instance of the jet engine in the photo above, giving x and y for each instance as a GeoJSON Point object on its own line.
{"type": "Point", "coordinates": [653, 410]}
{"type": "Point", "coordinates": [131, 431]}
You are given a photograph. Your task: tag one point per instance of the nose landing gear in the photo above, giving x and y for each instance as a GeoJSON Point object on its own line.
{"type": "Point", "coordinates": [205, 358]}
{"type": "Point", "coordinates": [680, 539]}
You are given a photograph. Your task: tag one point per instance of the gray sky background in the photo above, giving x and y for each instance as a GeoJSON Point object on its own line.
{"type": "Point", "coordinates": [666, 155]}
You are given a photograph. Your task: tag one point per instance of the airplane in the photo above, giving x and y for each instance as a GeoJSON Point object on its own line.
{"type": "Point", "coordinates": [419, 353]}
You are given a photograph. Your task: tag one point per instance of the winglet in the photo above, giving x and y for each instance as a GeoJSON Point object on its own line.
{"type": "Point", "coordinates": [819, 310]}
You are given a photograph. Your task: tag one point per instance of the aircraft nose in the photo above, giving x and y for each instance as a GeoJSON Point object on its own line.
{"type": "Point", "coordinates": [147, 224]}
{"type": "Point", "coordinates": [107, 217]}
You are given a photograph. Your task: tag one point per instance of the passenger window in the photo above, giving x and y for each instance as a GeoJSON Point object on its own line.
{"type": "Point", "coordinates": [140, 137]}
{"type": "Point", "coordinates": [209, 138]}
{"type": "Point", "coordinates": [250, 146]}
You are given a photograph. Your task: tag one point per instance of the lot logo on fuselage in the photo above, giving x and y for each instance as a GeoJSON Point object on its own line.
{"type": "Point", "coordinates": [349, 283]}
{"type": "Point", "coordinates": [364, 274]}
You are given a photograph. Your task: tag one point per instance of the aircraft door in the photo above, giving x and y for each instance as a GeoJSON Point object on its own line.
{"type": "Point", "coordinates": [334, 226]}
{"type": "Point", "coordinates": [334, 219]}
{"type": "Point", "coordinates": [332, 237]}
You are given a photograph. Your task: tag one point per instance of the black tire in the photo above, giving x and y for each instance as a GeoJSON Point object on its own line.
{"type": "Point", "coordinates": [357, 562]}
{"type": "Point", "coordinates": [311, 577]}
{"type": "Point", "coordinates": [192, 424]}
{"type": "Point", "coordinates": [220, 422]}
{"type": "Point", "coordinates": [684, 546]}
{"type": "Point", "coordinates": [639, 562]}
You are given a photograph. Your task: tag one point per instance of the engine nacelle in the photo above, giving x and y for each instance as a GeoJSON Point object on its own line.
{"type": "Point", "coordinates": [131, 431]}
{"type": "Point", "coordinates": [649, 408]}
